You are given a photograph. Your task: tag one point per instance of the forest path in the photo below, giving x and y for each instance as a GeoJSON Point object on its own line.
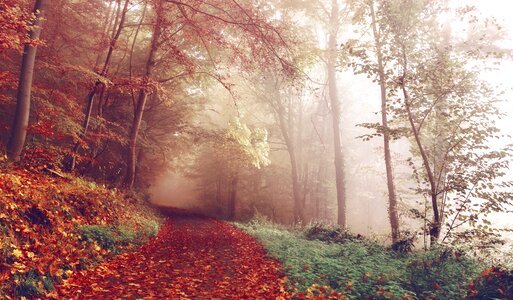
{"type": "Point", "coordinates": [190, 258]}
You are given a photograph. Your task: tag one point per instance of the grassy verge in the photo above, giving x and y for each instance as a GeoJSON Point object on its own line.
{"type": "Point", "coordinates": [53, 226]}
{"type": "Point", "coordinates": [326, 261]}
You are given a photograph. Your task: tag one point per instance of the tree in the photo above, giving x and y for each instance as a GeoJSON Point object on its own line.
{"type": "Point", "coordinates": [392, 198]}
{"type": "Point", "coordinates": [21, 117]}
{"type": "Point", "coordinates": [224, 158]}
{"type": "Point", "coordinates": [143, 96]}
{"type": "Point", "coordinates": [376, 67]}
{"type": "Point", "coordinates": [331, 66]}
{"type": "Point", "coordinates": [279, 95]}
{"type": "Point", "coordinates": [226, 27]}
{"type": "Point", "coordinates": [449, 113]}
{"type": "Point", "coordinates": [101, 81]}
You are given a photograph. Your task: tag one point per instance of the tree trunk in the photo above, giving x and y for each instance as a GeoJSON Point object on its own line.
{"type": "Point", "coordinates": [335, 111]}
{"type": "Point", "coordinates": [232, 199]}
{"type": "Point", "coordinates": [436, 225]}
{"type": "Point", "coordinates": [22, 113]}
{"type": "Point", "coordinates": [392, 199]}
{"type": "Point", "coordinates": [97, 86]}
{"type": "Point", "coordinates": [299, 213]}
{"type": "Point", "coordinates": [285, 128]}
{"type": "Point", "coordinates": [141, 101]}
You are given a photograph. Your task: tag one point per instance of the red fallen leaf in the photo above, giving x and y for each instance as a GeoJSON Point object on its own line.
{"type": "Point", "coordinates": [436, 286]}
{"type": "Point", "coordinates": [199, 258]}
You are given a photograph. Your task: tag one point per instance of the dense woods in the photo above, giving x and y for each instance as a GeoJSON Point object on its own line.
{"type": "Point", "coordinates": [375, 116]}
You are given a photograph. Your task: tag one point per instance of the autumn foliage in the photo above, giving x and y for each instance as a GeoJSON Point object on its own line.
{"type": "Point", "coordinates": [493, 283]}
{"type": "Point", "coordinates": [190, 257]}
{"type": "Point", "coordinates": [41, 219]}
{"type": "Point", "coordinates": [15, 22]}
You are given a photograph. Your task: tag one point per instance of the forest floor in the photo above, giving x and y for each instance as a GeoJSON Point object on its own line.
{"type": "Point", "coordinates": [192, 257]}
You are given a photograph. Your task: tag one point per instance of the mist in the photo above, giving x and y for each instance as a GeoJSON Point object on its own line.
{"type": "Point", "coordinates": [230, 175]}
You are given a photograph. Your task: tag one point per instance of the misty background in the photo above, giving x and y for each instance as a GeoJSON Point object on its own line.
{"type": "Point", "coordinates": [267, 190]}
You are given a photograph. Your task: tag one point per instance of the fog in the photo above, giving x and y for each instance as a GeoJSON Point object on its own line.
{"type": "Point", "coordinates": [175, 190]}
{"type": "Point", "coordinates": [214, 180]}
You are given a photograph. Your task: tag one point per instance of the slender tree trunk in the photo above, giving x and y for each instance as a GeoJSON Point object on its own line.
{"type": "Point", "coordinates": [392, 199]}
{"type": "Point", "coordinates": [436, 225]}
{"type": "Point", "coordinates": [105, 30]}
{"type": "Point", "coordinates": [299, 213]}
{"type": "Point", "coordinates": [299, 216]}
{"type": "Point", "coordinates": [335, 111]}
{"type": "Point", "coordinates": [22, 113]}
{"type": "Point", "coordinates": [141, 101]}
{"type": "Point", "coordinates": [232, 197]}
{"type": "Point", "coordinates": [97, 86]}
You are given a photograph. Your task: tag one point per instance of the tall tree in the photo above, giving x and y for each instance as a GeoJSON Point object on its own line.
{"type": "Point", "coordinates": [21, 117]}
{"type": "Point", "coordinates": [448, 111]}
{"type": "Point", "coordinates": [379, 69]}
{"type": "Point", "coordinates": [143, 96]}
{"type": "Point", "coordinates": [331, 67]}
{"type": "Point", "coordinates": [279, 95]}
{"type": "Point", "coordinates": [185, 28]}
{"type": "Point", "coordinates": [101, 81]}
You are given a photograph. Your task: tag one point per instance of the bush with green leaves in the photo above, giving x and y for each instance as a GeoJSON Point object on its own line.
{"type": "Point", "coordinates": [329, 233]}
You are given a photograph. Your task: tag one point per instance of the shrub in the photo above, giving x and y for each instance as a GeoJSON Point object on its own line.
{"type": "Point", "coordinates": [48, 283]}
{"type": "Point", "coordinates": [151, 227]}
{"type": "Point", "coordinates": [330, 234]}
{"type": "Point", "coordinates": [440, 273]}
{"type": "Point", "coordinates": [404, 245]}
{"type": "Point", "coordinates": [492, 283]}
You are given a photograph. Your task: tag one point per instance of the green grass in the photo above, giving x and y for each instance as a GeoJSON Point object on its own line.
{"type": "Point", "coordinates": [114, 237]}
{"type": "Point", "coordinates": [361, 268]}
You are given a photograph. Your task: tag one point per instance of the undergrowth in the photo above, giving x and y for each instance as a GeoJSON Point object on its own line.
{"type": "Point", "coordinates": [323, 260]}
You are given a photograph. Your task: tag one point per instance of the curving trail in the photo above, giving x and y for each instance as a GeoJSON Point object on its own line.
{"type": "Point", "coordinates": [191, 258]}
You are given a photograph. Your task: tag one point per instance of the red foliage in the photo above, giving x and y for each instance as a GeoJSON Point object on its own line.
{"type": "Point", "coordinates": [493, 283]}
{"type": "Point", "coordinates": [15, 22]}
{"type": "Point", "coordinates": [191, 257]}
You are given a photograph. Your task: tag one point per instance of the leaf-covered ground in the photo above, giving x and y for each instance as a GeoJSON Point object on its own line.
{"type": "Point", "coordinates": [190, 258]}
{"type": "Point", "coordinates": [52, 226]}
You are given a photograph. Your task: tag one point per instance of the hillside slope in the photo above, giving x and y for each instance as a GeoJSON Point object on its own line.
{"type": "Point", "coordinates": [53, 225]}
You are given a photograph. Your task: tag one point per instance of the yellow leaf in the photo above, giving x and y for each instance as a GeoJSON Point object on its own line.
{"type": "Point", "coordinates": [17, 253]}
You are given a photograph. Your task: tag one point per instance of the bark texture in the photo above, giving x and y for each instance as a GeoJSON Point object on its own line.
{"type": "Point", "coordinates": [22, 113]}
